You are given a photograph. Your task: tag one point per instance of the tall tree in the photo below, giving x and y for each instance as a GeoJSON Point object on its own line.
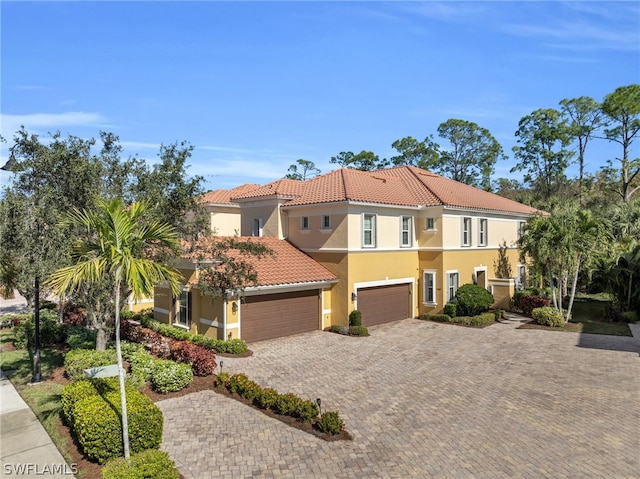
{"type": "Point", "coordinates": [584, 119]}
{"type": "Point", "coordinates": [622, 110]}
{"type": "Point", "coordinates": [363, 161]}
{"type": "Point", "coordinates": [423, 154]}
{"type": "Point", "coordinates": [473, 154]}
{"type": "Point", "coordinates": [302, 170]}
{"type": "Point", "coordinates": [543, 138]}
{"type": "Point", "coordinates": [118, 244]}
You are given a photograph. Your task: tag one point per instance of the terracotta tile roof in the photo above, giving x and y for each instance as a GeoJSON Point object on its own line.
{"type": "Point", "coordinates": [283, 187]}
{"type": "Point", "coordinates": [288, 265]}
{"type": "Point", "coordinates": [402, 186]}
{"type": "Point", "coordinates": [223, 197]}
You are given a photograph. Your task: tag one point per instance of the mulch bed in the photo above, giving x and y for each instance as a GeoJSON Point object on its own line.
{"type": "Point", "coordinates": [91, 470]}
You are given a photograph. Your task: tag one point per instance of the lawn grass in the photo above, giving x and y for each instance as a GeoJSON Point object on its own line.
{"type": "Point", "coordinates": [588, 316]}
{"type": "Point", "coordinates": [43, 398]}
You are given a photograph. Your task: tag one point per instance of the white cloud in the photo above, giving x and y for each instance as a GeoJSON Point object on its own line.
{"type": "Point", "coordinates": [49, 121]}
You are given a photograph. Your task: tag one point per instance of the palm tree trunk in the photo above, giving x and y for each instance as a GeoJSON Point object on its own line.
{"type": "Point", "coordinates": [123, 396]}
{"type": "Point", "coordinates": [573, 289]}
{"type": "Point", "coordinates": [553, 290]}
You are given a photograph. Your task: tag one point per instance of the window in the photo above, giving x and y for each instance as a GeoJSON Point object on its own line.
{"type": "Point", "coordinates": [453, 280]}
{"type": "Point", "coordinates": [304, 223]}
{"type": "Point", "coordinates": [369, 230]}
{"type": "Point", "coordinates": [406, 233]}
{"type": "Point", "coordinates": [482, 232]}
{"type": "Point", "coordinates": [429, 287]}
{"type": "Point", "coordinates": [430, 224]}
{"type": "Point", "coordinates": [521, 225]}
{"type": "Point", "coordinates": [466, 231]}
{"type": "Point", "coordinates": [522, 276]}
{"type": "Point", "coordinates": [326, 222]}
{"type": "Point", "coordinates": [184, 309]}
{"type": "Point", "coordinates": [256, 229]}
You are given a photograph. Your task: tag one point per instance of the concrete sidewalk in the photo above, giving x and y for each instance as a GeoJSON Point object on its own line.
{"type": "Point", "coordinates": [26, 450]}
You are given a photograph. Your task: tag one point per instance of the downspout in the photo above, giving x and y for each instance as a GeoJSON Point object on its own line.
{"type": "Point", "coordinates": [224, 318]}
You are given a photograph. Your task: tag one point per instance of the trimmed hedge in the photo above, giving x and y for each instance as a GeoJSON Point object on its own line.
{"type": "Point", "coordinates": [348, 330]}
{"type": "Point", "coordinates": [149, 464]}
{"type": "Point", "coordinates": [451, 310]}
{"type": "Point", "coordinates": [443, 318]}
{"type": "Point", "coordinates": [51, 330]}
{"type": "Point", "coordinates": [548, 316]}
{"type": "Point", "coordinates": [287, 404]}
{"type": "Point", "coordinates": [232, 346]}
{"type": "Point", "coordinates": [169, 376]}
{"type": "Point", "coordinates": [79, 337]}
{"type": "Point", "coordinates": [142, 365]}
{"type": "Point", "coordinates": [479, 320]}
{"type": "Point", "coordinates": [77, 360]}
{"type": "Point", "coordinates": [92, 409]}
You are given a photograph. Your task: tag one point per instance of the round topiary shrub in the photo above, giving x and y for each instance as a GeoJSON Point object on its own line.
{"type": "Point", "coordinates": [451, 310]}
{"type": "Point", "coordinates": [548, 316]}
{"type": "Point", "coordinates": [169, 376]}
{"type": "Point", "coordinates": [330, 423]}
{"type": "Point", "coordinates": [143, 465]}
{"type": "Point", "coordinates": [473, 300]}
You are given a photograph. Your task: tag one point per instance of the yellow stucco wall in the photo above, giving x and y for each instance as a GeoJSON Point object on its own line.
{"type": "Point", "coordinates": [225, 221]}
{"type": "Point", "coordinates": [271, 221]}
{"type": "Point", "coordinates": [316, 237]}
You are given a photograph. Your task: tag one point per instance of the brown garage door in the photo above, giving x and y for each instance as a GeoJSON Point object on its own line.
{"type": "Point", "coordinates": [384, 303]}
{"type": "Point", "coordinates": [276, 315]}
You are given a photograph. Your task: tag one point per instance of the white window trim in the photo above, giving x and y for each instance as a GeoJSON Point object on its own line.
{"type": "Point", "coordinates": [478, 269]}
{"type": "Point", "coordinates": [178, 311]}
{"type": "Point", "coordinates": [426, 226]}
{"type": "Point", "coordinates": [322, 225]}
{"type": "Point", "coordinates": [482, 221]}
{"type": "Point", "coordinates": [446, 275]}
{"type": "Point", "coordinates": [302, 226]}
{"type": "Point", "coordinates": [466, 220]}
{"type": "Point", "coordinates": [434, 274]}
{"type": "Point", "coordinates": [409, 244]}
{"type": "Point", "coordinates": [374, 233]}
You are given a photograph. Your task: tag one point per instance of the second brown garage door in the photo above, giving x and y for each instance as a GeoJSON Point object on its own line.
{"type": "Point", "coordinates": [276, 315]}
{"type": "Point", "coordinates": [383, 304]}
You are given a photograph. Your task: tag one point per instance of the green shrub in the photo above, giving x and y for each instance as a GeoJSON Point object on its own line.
{"type": "Point", "coordinates": [336, 328]}
{"type": "Point", "coordinates": [529, 303]}
{"type": "Point", "coordinates": [222, 380]}
{"type": "Point", "coordinates": [498, 314]}
{"type": "Point", "coordinates": [548, 316]}
{"type": "Point", "coordinates": [129, 347]}
{"type": "Point", "coordinates": [473, 300]}
{"type": "Point", "coordinates": [629, 316]}
{"type": "Point", "coordinates": [79, 337]}
{"type": "Point", "coordinates": [142, 364]}
{"type": "Point", "coordinates": [358, 331]}
{"type": "Point", "coordinates": [169, 376]}
{"type": "Point", "coordinates": [330, 423]}
{"type": "Point", "coordinates": [98, 429]}
{"type": "Point", "coordinates": [266, 398]}
{"type": "Point", "coordinates": [451, 310]}
{"type": "Point", "coordinates": [445, 318]}
{"type": "Point", "coordinates": [51, 330]}
{"type": "Point", "coordinates": [77, 360]}
{"type": "Point", "coordinates": [286, 404]}
{"type": "Point", "coordinates": [355, 318]}
{"type": "Point", "coordinates": [149, 464]}
{"type": "Point", "coordinates": [242, 385]}
{"type": "Point", "coordinates": [306, 411]}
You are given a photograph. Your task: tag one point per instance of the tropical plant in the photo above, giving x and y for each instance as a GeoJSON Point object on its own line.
{"type": "Point", "coordinates": [120, 245]}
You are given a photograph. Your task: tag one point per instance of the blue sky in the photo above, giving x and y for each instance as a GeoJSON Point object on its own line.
{"type": "Point", "coordinates": [254, 86]}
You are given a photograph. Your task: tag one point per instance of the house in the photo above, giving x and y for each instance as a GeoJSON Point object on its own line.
{"type": "Point", "coordinates": [392, 243]}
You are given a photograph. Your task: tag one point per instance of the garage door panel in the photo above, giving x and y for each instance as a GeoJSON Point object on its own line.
{"type": "Point", "coordinates": [276, 315]}
{"type": "Point", "coordinates": [383, 304]}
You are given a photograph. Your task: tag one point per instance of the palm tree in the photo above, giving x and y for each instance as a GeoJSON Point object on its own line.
{"type": "Point", "coordinates": [118, 244]}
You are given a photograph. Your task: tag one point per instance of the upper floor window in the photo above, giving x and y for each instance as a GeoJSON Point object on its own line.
{"type": "Point", "coordinates": [483, 231]}
{"type": "Point", "coordinates": [256, 229]}
{"type": "Point", "coordinates": [369, 230]}
{"type": "Point", "coordinates": [429, 287]}
{"type": "Point", "coordinates": [406, 231]}
{"type": "Point", "coordinates": [304, 223]}
{"type": "Point", "coordinates": [326, 222]}
{"type": "Point", "coordinates": [521, 225]}
{"type": "Point", "coordinates": [466, 231]}
{"type": "Point", "coordinates": [430, 224]}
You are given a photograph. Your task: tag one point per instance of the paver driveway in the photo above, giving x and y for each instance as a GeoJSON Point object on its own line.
{"type": "Point", "coordinates": [426, 400]}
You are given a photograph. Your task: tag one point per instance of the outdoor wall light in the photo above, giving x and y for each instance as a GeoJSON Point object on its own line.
{"type": "Point", "coordinates": [230, 336]}
{"type": "Point", "coordinates": [234, 306]}
{"type": "Point", "coordinates": [354, 296]}
{"type": "Point", "coordinates": [319, 403]}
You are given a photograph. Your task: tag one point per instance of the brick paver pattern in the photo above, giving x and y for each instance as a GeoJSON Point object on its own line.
{"type": "Point", "coordinates": [426, 400]}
